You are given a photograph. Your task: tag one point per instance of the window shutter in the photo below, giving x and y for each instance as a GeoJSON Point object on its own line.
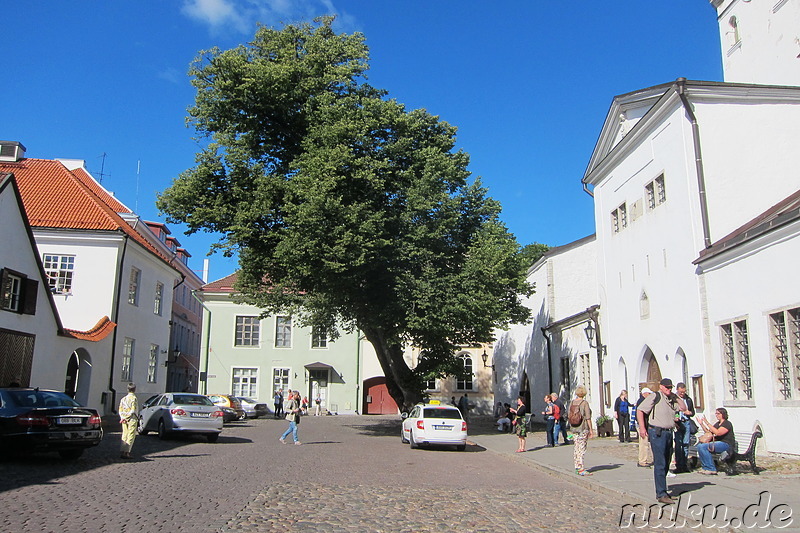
{"type": "Point", "coordinates": [5, 292]}
{"type": "Point", "coordinates": [29, 295]}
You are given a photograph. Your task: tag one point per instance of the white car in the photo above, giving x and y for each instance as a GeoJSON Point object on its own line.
{"type": "Point", "coordinates": [434, 423]}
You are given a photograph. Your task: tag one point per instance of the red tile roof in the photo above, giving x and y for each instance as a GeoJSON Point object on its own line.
{"type": "Point", "coordinates": [100, 331]}
{"type": "Point", "coordinates": [221, 285]}
{"type": "Point", "coordinates": [55, 197]}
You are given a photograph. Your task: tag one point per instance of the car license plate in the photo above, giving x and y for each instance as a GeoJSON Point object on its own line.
{"type": "Point", "coordinates": [441, 427]}
{"type": "Point", "coordinates": [201, 415]}
{"type": "Point", "coordinates": [69, 420]}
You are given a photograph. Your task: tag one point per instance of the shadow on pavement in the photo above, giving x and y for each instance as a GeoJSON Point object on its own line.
{"type": "Point", "coordinates": [598, 468]}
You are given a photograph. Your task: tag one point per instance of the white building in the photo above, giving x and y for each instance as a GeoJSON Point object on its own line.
{"type": "Point", "coordinates": [98, 265]}
{"type": "Point", "coordinates": [35, 349]}
{"type": "Point", "coordinates": [760, 40]}
{"type": "Point", "coordinates": [552, 354]}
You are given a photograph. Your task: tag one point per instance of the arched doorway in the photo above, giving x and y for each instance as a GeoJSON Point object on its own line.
{"type": "Point", "coordinates": [651, 372]}
{"type": "Point", "coordinates": [377, 400]}
{"type": "Point", "coordinates": [525, 391]}
{"type": "Point", "coordinates": [680, 362]}
{"type": "Point", "coordinates": [71, 381]}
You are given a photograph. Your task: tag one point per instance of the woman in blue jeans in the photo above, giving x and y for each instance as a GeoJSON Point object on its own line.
{"type": "Point", "coordinates": [723, 440]}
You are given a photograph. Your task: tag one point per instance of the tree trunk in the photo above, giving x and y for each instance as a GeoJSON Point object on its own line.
{"type": "Point", "coordinates": [399, 380]}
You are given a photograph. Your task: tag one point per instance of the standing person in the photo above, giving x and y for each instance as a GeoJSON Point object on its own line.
{"type": "Point", "coordinates": [583, 431]}
{"type": "Point", "coordinates": [645, 452]}
{"type": "Point", "coordinates": [661, 409]}
{"type": "Point", "coordinates": [519, 422]}
{"type": "Point", "coordinates": [549, 418]}
{"type": "Point", "coordinates": [622, 412]}
{"type": "Point", "coordinates": [684, 431]}
{"type": "Point", "coordinates": [129, 419]}
{"type": "Point", "coordinates": [304, 406]}
{"type": "Point", "coordinates": [278, 401]}
{"type": "Point", "coordinates": [317, 405]}
{"type": "Point", "coordinates": [453, 401]}
{"type": "Point", "coordinates": [498, 410]}
{"type": "Point", "coordinates": [724, 440]}
{"type": "Point", "coordinates": [293, 416]}
{"type": "Point", "coordinates": [463, 406]}
{"type": "Point", "coordinates": [563, 421]}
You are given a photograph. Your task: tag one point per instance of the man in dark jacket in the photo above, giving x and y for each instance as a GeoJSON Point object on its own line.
{"type": "Point", "coordinates": [683, 432]}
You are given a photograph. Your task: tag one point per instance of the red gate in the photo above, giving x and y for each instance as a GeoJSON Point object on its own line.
{"type": "Point", "coordinates": [377, 400]}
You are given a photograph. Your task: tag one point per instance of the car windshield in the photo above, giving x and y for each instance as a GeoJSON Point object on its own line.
{"type": "Point", "coordinates": [440, 412]}
{"type": "Point", "coordinates": [32, 398]}
{"type": "Point", "coordinates": [191, 399]}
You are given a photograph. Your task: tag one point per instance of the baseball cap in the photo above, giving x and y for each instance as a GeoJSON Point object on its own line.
{"type": "Point", "coordinates": [667, 382]}
{"type": "Point", "coordinates": [646, 390]}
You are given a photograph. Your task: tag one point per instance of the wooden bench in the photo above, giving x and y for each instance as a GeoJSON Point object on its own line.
{"type": "Point", "coordinates": [728, 460]}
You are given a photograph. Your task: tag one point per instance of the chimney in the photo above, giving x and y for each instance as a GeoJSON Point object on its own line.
{"type": "Point", "coordinates": [11, 151]}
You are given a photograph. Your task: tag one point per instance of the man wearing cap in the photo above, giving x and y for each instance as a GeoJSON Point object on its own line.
{"type": "Point", "coordinates": [660, 409]}
{"type": "Point", "coordinates": [645, 453]}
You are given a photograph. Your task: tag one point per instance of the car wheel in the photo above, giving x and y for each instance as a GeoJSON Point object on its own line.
{"type": "Point", "coordinates": [140, 428]}
{"type": "Point", "coordinates": [461, 447]}
{"type": "Point", "coordinates": [403, 436]}
{"type": "Point", "coordinates": [162, 430]}
{"type": "Point", "coordinates": [411, 441]}
{"type": "Point", "coordinates": [212, 437]}
{"type": "Point", "coordinates": [70, 455]}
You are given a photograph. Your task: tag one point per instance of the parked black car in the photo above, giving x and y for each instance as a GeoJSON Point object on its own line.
{"type": "Point", "coordinates": [33, 420]}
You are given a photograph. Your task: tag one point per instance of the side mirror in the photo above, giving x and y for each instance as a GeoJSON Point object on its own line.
{"type": "Point", "coordinates": [403, 415]}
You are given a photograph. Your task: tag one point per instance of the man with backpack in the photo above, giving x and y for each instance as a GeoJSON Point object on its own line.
{"type": "Point", "coordinates": [661, 409]}
{"type": "Point", "coordinates": [683, 432]}
{"type": "Point", "coordinates": [563, 421]}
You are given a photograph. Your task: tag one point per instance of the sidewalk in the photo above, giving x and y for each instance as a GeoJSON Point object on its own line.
{"type": "Point", "coordinates": [614, 472]}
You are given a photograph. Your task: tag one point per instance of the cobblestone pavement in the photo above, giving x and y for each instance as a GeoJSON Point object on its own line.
{"type": "Point", "coordinates": [351, 474]}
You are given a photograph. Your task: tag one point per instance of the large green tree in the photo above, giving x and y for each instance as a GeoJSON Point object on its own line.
{"type": "Point", "coordinates": [345, 208]}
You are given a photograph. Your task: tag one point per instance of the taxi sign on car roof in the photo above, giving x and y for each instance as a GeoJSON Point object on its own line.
{"type": "Point", "coordinates": [434, 402]}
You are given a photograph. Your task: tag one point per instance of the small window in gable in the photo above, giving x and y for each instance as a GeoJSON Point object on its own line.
{"type": "Point", "coordinates": [644, 306]}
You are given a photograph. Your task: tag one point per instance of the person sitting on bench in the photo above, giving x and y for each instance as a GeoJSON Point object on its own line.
{"type": "Point", "coordinates": [723, 440]}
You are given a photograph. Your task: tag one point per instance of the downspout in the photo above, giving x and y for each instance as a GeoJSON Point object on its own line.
{"type": "Point", "coordinates": [207, 327]}
{"type": "Point", "coordinates": [115, 319]}
{"type": "Point", "coordinates": [358, 371]}
{"type": "Point", "coordinates": [680, 88]}
{"type": "Point", "coordinates": [586, 189]}
{"type": "Point", "coordinates": [549, 361]}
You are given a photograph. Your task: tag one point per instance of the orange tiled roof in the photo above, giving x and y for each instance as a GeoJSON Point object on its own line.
{"type": "Point", "coordinates": [222, 285]}
{"type": "Point", "coordinates": [100, 331]}
{"type": "Point", "coordinates": [55, 197]}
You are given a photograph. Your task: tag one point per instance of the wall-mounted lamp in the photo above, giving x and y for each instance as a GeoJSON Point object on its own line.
{"type": "Point", "coordinates": [485, 357]}
{"type": "Point", "coordinates": [589, 331]}
{"type": "Point", "coordinates": [172, 358]}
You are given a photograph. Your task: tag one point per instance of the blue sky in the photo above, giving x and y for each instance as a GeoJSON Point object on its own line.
{"type": "Point", "coordinates": [527, 83]}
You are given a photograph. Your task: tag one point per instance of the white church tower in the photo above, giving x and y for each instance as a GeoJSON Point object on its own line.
{"type": "Point", "coordinates": [760, 40]}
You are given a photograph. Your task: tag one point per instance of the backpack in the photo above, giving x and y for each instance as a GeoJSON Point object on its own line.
{"type": "Point", "coordinates": [575, 417]}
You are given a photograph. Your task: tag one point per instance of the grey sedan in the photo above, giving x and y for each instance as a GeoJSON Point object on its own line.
{"type": "Point", "coordinates": [180, 412]}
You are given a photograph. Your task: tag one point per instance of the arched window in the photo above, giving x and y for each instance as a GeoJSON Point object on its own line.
{"type": "Point", "coordinates": [465, 382]}
{"type": "Point", "coordinates": [644, 306]}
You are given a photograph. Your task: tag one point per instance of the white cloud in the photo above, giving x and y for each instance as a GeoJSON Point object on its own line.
{"type": "Point", "coordinates": [241, 16]}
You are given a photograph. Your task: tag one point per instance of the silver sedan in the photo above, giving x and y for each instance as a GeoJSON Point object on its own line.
{"type": "Point", "coordinates": [180, 412]}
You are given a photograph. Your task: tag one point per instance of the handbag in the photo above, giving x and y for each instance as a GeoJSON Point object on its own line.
{"type": "Point", "coordinates": [706, 437]}
{"type": "Point", "coordinates": [693, 427]}
{"type": "Point", "coordinates": [289, 417]}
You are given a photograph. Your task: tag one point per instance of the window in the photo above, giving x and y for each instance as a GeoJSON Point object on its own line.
{"type": "Point", "coordinates": [283, 332]}
{"type": "Point", "coordinates": [655, 192]}
{"type": "Point", "coordinates": [152, 364]}
{"type": "Point", "coordinates": [133, 286]}
{"type": "Point", "coordinates": [566, 381]}
{"type": "Point", "coordinates": [785, 336]}
{"type": "Point", "coordinates": [736, 353]}
{"type": "Point", "coordinates": [697, 392]}
{"type": "Point", "coordinates": [245, 382]}
{"type": "Point", "coordinates": [127, 359]}
{"type": "Point", "coordinates": [59, 270]}
{"type": "Point", "coordinates": [319, 337]}
{"type": "Point", "coordinates": [430, 384]}
{"type": "Point", "coordinates": [585, 369]}
{"type": "Point", "coordinates": [248, 330]}
{"type": "Point", "coordinates": [12, 291]}
{"type": "Point", "coordinates": [158, 303]}
{"type": "Point", "coordinates": [280, 378]}
{"type": "Point", "coordinates": [733, 34]}
{"type": "Point", "coordinates": [619, 218]}
{"type": "Point", "coordinates": [465, 382]}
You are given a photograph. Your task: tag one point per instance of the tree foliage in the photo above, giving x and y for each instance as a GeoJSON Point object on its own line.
{"type": "Point", "coordinates": [345, 208]}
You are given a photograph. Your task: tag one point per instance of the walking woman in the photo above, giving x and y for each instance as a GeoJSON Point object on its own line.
{"type": "Point", "coordinates": [293, 416]}
{"type": "Point", "coordinates": [622, 412]}
{"type": "Point", "coordinates": [129, 419]}
{"type": "Point", "coordinates": [520, 426]}
{"type": "Point", "coordinates": [583, 431]}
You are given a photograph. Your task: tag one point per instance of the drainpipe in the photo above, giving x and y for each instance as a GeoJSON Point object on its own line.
{"type": "Point", "coordinates": [680, 88]}
{"type": "Point", "coordinates": [358, 370]}
{"type": "Point", "coordinates": [586, 189]}
{"type": "Point", "coordinates": [593, 316]}
{"type": "Point", "coordinates": [115, 319]}
{"type": "Point", "coordinates": [549, 361]}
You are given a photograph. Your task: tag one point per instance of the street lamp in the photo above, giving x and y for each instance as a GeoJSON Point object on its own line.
{"type": "Point", "coordinates": [589, 331]}
{"type": "Point", "coordinates": [485, 356]}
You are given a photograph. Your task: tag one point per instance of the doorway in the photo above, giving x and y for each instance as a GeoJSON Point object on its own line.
{"type": "Point", "coordinates": [651, 371]}
{"type": "Point", "coordinates": [71, 381]}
